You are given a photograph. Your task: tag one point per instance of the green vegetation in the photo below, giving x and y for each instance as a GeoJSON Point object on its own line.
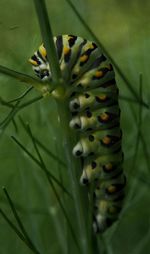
{"type": "Point", "coordinates": [42, 201]}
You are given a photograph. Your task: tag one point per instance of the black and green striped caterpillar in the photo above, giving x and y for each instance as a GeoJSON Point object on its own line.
{"type": "Point", "coordinates": [93, 102]}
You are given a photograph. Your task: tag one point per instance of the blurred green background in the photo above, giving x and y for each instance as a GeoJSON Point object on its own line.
{"type": "Point", "coordinates": [123, 27]}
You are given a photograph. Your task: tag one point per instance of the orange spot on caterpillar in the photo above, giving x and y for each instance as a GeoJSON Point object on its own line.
{"type": "Point", "coordinates": [83, 58]}
{"type": "Point", "coordinates": [108, 166]}
{"type": "Point", "coordinates": [102, 97]}
{"type": "Point", "coordinates": [111, 189]}
{"type": "Point", "coordinates": [106, 140]}
{"type": "Point", "coordinates": [98, 74]}
{"type": "Point", "coordinates": [104, 116]}
{"type": "Point", "coordinates": [66, 50]}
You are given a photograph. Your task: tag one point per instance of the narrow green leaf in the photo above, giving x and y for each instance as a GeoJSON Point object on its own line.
{"type": "Point", "coordinates": [19, 98]}
{"type": "Point", "coordinates": [127, 99]}
{"type": "Point", "coordinates": [39, 164]}
{"type": "Point", "coordinates": [15, 229]}
{"type": "Point", "coordinates": [146, 150]}
{"type": "Point", "coordinates": [29, 102]}
{"type": "Point", "coordinates": [5, 103]}
{"type": "Point", "coordinates": [19, 222]}
{"type": "Point", "coordinates": [137, 138]}
{"type": "Point", "coordinates": [43, 167]}
{"type": "Point", "coordinates": [15, 125]}
{"type": "Point", "coordinates": [139, 122]}
{"type": "Point", "coordinates": [10, 116]}
{"type": "Point", "coordinates": [44, 148]}
{"type": "Point", "coordinates": [14, 110]}
{"type": "Point", "coordinates": [140, 133]}
{"type": "Point", "coordinates": [44, 88]}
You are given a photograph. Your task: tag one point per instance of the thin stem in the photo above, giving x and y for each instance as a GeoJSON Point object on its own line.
{"type": "Point", "coordinates": [9, 104]}
{"type": "Point", "coordinates": [44, 88]}
{"type": "Point", "coordinates": [28, 240]}
{"type": "Point", "coordinates": [52, 155]}
{"type": "Point", "coordinates": [22, 95]}
{"type": "Point", "coordinates": [10, 116]}
{"type": "Point", "coordinates": [14, 110]}
{"type": "Point", "coordinates": [74, 171]}
{"type": "Point", "coordinates": [128, 99]}
{"type": "Point", "coordinates": [15, 125]}
{"type": "Point", "coordinates": [15, 229]}
{"type": "Point", "coordinates": [43, 167]}
{"type": "Point", "coordinates": [139, 123]}
{"type": "Point", "coordinates": [44, 148]}
{"type": "Point", "coordinates": [47, 36]}
{"type": "Point", "coordinates": [29, 102]}
{"type": "Point", "coordinates": [5, 103]}
{"type": "Point", "coordinates": [39, 164]}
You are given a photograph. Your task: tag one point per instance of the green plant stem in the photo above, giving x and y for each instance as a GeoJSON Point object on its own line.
{"type": "Point", "coordinates": [39, 164]}
{"type": "Point", "coordinates": [14, 110]}
{"type": "Point", "coordinates": [29, 102]}
{"type": "Point", "coordinates": [44, 88]}
{"type": "Point", "coordinates": [19, 234]}
{"type": "Point", "coordinates": [10, 116]}
{"type": "Point", "coordinates": [43, 147]}
{"type": "Point", "coordinates": [19, 222]}
{"type": "Point", "coordinates": [47, 36]}
{"type": "Point", "coordinates": [43, 167]}
{"type": "Point", "coordinates": [74, 171]}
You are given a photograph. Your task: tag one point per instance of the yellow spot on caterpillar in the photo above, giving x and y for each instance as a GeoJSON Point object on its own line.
{"type": "Point", "coordinates": [66, 50]}
{"type": "Point", "coordinates": [33, 62]}
{"type": "Point", "coordinates": [42, 51]}
{"type": "Point", "coordinates": [70, 36]}
{"type": "Point", "coordinates": [91, 46]}
{"type": "Point", "coordinates": [111, 189]}
{"type": "Point", "coordinates": [104, 116]}
{"type": "Point", "coordinates": [108, 166]}
{"type": "Point", "coordinates": [106, 140]}
{"type": "Point", "coordinates": [98, 74]}
{"type": "Point", "coordinates": [83, 58]}
{"type": "Point", "coordinates": [102, 97]}
{"type": "Point", "coordinates": [88, 46]}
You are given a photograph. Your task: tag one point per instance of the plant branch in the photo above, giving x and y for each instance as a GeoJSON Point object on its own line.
{"type": "Point", "coordinates": [47, 37]}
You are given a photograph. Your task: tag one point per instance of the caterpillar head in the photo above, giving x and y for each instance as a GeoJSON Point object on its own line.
{"type": "Point", "coordinates": [40, 64]}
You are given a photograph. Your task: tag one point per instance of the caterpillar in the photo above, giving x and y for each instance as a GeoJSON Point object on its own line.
{"type": "Point", "coordinates": [92, 96]}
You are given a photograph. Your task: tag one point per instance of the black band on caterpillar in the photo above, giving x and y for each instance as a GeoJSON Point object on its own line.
{"type": "Point", "coordinates": [93, 102]}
